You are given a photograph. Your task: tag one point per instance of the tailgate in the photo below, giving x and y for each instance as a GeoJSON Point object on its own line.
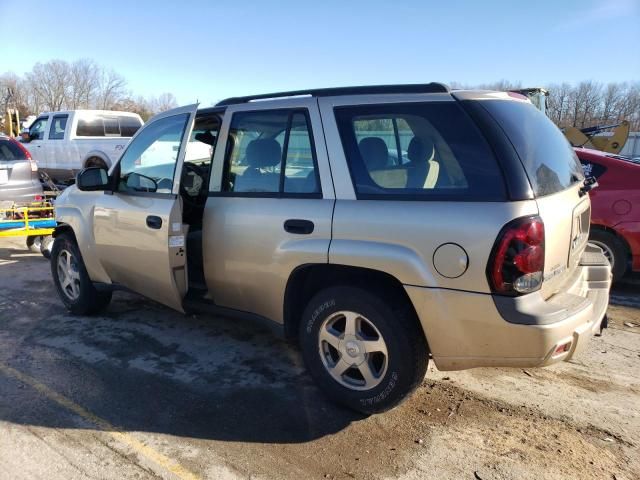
{"type": "Point", "coordinates": [566, 216]}
{"type": "Point", "coordinates": [17, 171]}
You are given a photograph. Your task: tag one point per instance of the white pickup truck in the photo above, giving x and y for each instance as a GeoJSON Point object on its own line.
{"type": "Point", "coordinates": [63, 143]}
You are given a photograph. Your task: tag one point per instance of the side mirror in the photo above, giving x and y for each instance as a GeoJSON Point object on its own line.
{"type": "Point", "coordinates": [92, 179]}
{"type": "Point", "coordinates": [141, 183]}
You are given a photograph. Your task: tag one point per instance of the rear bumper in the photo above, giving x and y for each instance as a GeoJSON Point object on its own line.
{"type": "Point", "coordinates": [21, 193]}
{"type": "Point", "coordinates": [466, 330]}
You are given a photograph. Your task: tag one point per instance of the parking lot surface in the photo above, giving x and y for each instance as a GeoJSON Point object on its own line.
{"type": "Point", "coordinates": [144, 392]}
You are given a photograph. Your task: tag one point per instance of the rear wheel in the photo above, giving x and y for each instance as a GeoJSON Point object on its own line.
{"type": "Point", "coordinates": [34, 242]}
{"type": "Point", "coordinates": [96, 162]}
{"type": "Point", "coordinates": [75, 288]}
{"type": "Point", "coordinates": [614, 249]}
{"type": "Point", "coordinates": [46, 244]}
{"type": "Point", "coordinates": [365, 352]}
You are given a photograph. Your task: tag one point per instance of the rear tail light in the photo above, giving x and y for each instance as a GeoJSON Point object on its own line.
{"type": "Point", "coordinates": [516, 264]}
{"type": "Point", "coordinates": [27, 155]}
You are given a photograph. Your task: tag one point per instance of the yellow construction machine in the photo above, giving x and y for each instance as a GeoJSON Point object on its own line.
{"type": "Point", "coordinates": [588, 137]}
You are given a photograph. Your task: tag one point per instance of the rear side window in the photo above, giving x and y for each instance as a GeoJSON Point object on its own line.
{"type": "Point", "coordinates": [547, 157]}
{"type": "Point", "coordinates": [10, 151]}
{"type": "Point", "coordinates": [108, 126]}
{"type": "Point", "coordinates": [418, 151]}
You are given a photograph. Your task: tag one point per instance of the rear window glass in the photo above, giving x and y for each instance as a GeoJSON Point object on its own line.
{"type": "Point", "coordinates": [548, 158]}
{"type": "Point", "coordinates": [10, 151]}
{"type": "Point", "coordinates": [422, 151]}
{"type": "Point", "coordinates": [108, 126]}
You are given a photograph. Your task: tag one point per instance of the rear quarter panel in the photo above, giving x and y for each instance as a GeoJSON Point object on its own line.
{"type": "Point", "coordinates": [401, 237]}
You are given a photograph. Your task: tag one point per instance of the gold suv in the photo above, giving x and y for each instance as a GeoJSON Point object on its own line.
{"type": "Point", "coordinates": [380, 226]}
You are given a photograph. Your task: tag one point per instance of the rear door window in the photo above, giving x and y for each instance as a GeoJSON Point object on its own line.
{"type": "Point", "coordinates": [58, 126]}
{"type": "Point", "coordinates": [418, 151]}
{"type": "Point", "coordinates": [548, 158]}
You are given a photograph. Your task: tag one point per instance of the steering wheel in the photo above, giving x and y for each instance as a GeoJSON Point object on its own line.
{"type": "Point", "coordinates": [192, 191]}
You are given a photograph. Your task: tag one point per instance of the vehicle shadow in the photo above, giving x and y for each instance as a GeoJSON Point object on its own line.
{"type": "Point", "coordinates": [143, 367]}
{"type": "Point", "coordinates": [626, 292]}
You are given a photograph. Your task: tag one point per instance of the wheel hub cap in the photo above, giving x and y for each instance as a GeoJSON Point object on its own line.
{"type": "Point", "coordinates": [353, 350]}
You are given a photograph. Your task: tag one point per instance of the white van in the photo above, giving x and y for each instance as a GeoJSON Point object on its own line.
{"type": "Point", "coordinates": [63, 143]}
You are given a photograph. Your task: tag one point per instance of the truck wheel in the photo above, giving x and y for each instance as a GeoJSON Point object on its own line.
{"type": "Point", "coordinates": [364, 352]}
{"type": "Point", "coordinates": [96, 162]}
{"type": "Point", "coordinates": [75, 288]}
{"type": "Point", "coordinates": [34, 243]}
{"type": "Point", "coordinates": [46, 244]}
{"type": "Point", "coordinates": [613, 249]}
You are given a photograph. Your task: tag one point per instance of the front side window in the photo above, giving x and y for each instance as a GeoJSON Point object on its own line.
{"type": "Point", "coordinates": [149, 163]}
{"type": "Point", "coordinates": [271, 152]}
{"type": "Point", "coordinates": [427, 150]}
{"type": "Point", "coordinates": [58, 126]}
{"type": "Point", "coordinates": [36, 131]}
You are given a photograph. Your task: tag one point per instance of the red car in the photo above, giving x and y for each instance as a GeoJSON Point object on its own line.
{"type": "Point", "coordinates": [615, 207]}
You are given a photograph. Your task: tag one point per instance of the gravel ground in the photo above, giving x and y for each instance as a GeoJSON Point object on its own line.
{"type": "Point", "coordinates": [143, 392]}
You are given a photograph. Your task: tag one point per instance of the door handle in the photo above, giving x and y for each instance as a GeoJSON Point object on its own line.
{"type": "Point", "coordinates": [154, 222]}
{"type": "Point", "coordinates": [299, 227]}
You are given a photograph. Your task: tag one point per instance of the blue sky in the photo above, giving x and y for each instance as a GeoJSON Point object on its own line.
{"type": "Point", "coordinates": [209, 50]}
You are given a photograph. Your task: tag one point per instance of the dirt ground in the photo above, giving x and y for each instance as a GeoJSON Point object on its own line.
{"type": "Point", "coordinates": [143, 392]}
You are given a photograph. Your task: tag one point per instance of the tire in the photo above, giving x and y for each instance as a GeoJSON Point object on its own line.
{"type": "Point", "coordinates": [614, 249]}
{"type": "Point", "coordinates": [75, 288]}
{"type": "Point", "coordinates": [46, 244]}
{"type": "Point", "coordinates": [34, 242]}
{"type": "Point", "coordinates": [395, 370]}
{"type": "Point", "coordinates": [96, 162]}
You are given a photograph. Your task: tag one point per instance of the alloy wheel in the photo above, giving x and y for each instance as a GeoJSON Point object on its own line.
{"type": "Point", "coordinates": [353, 350]}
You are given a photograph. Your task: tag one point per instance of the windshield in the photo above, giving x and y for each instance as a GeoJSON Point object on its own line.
{"type": "Point", "coordinates": [547, 156]}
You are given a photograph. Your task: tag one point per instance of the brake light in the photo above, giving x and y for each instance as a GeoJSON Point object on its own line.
{"type": "Point", "coordinates": [516, 264]}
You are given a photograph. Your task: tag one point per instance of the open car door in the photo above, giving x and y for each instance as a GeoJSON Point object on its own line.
{"type": "Point", "coordinates": [138, 229]}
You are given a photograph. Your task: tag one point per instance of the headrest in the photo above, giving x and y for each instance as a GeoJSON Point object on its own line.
{"type": "Point", "coordinates": [205, 137]}
{"type": "Point", "coordinates": [264, 152]}
{"type": "Point", "coordinates": [374, 153]}
{"type": "Point", "coordinates": [420, 150]}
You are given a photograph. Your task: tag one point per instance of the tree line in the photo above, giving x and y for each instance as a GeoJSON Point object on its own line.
{"type": "Point", "coordinates": [59, 85]}
{"type": "Point", "coordinates": [585, 104]}
{"type": "Point", "coordinates": [82, 84]}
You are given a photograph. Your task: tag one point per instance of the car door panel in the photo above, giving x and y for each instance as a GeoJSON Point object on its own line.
{"type": "Point", "coordinates": [139, 236]}
{"type": "Point", "coordinates": [248, 253]}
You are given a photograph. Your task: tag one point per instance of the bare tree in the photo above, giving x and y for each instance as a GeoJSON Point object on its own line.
{"type": "Point", "coordinates": [164, 102]}
{"type": "Point", "coordinates": [111, 89]}
{"type": "Point", "coordinates": [49, 83]}
{"type": "Point", "coordinates": [84, 83]}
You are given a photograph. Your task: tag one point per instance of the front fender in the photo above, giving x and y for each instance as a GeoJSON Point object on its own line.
{"type": "Point", "coordinates": [78, 216]}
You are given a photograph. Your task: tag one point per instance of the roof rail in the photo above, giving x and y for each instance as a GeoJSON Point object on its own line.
{"type": "Point", "coordinates": [432, 87]}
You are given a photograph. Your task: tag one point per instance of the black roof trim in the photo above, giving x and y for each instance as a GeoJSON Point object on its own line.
{"type": "Point", "coordinates": [432, 87]}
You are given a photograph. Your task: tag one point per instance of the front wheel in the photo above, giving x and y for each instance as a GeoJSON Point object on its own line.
{"type": "Point", "coordinates": [365, 352]}
{"type": "Point", "coordinates": [75, 288]}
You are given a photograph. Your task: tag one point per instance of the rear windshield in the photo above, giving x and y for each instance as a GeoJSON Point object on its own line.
{"type": "Point", "coordinates": [108, 126]}
{"type": "Point", "coordinates": [548, 158]}
{"type": "Point", "coordinates": [10, 151]}
{"type": "Point", "coordinates": [418, 151]}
